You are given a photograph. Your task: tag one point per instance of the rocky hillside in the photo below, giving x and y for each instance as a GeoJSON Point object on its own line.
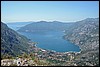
{"type": "Point", "coordinates": [85, 33]}
{"type": "Point", "coordinates": [12, 43]}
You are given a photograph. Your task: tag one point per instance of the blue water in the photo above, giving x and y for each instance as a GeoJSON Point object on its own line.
{"type": "Point", "coordinates": [51, 40]}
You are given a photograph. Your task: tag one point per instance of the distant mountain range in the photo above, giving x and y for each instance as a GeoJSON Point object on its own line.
{"type": "Point", "coordinates": [19, 23]}
{"type": "Point", "coordinates": [44, 26]}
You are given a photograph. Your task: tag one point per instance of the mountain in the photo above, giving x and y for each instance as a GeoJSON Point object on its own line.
{"type": "Point", "coordinates": [12, 43]}
{"type": "Point", "coordinates": [43, 26]}
{"type": "Point", "coordinates": [85, 34]}
{"type": "Point", "coordinates": [18, 24]}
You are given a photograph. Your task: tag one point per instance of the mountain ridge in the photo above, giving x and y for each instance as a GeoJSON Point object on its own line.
{"type": "Point", "coordinates": [45, 26]}
{"type": "Point", "coordinates": [12, 43]}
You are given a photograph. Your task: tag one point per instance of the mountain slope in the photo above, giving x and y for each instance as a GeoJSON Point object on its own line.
{"type": "Point", "coordinates": [19, 24]}
{"type": "Point", "coordinates": [85, 32]}
{"type": "Point", "coordinates": [44, 26]}
{"type": "Point", "coordinates": [11, 42]}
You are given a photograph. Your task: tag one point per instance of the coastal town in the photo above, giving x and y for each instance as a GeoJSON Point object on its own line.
{"type": "Point", "coordinates": [50, 56]}
{"type": "Point", "coordinates": [41, 57]}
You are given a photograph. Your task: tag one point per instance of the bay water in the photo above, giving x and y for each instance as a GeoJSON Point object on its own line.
{"type": "Point", "coordinates": [51, 40]}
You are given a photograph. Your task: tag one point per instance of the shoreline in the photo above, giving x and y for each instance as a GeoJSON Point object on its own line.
{"type": "Point", "coordinates": [35, 44]}
{"type": "Point", "coordinates": [57, 51]}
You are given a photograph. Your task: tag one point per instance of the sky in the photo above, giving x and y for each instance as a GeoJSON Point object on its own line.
{"type": "Point", "coordinates": [65, 11]}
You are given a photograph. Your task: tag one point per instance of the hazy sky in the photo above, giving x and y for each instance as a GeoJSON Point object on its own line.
{"type": "Point", "coordinates": [66, 11]}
